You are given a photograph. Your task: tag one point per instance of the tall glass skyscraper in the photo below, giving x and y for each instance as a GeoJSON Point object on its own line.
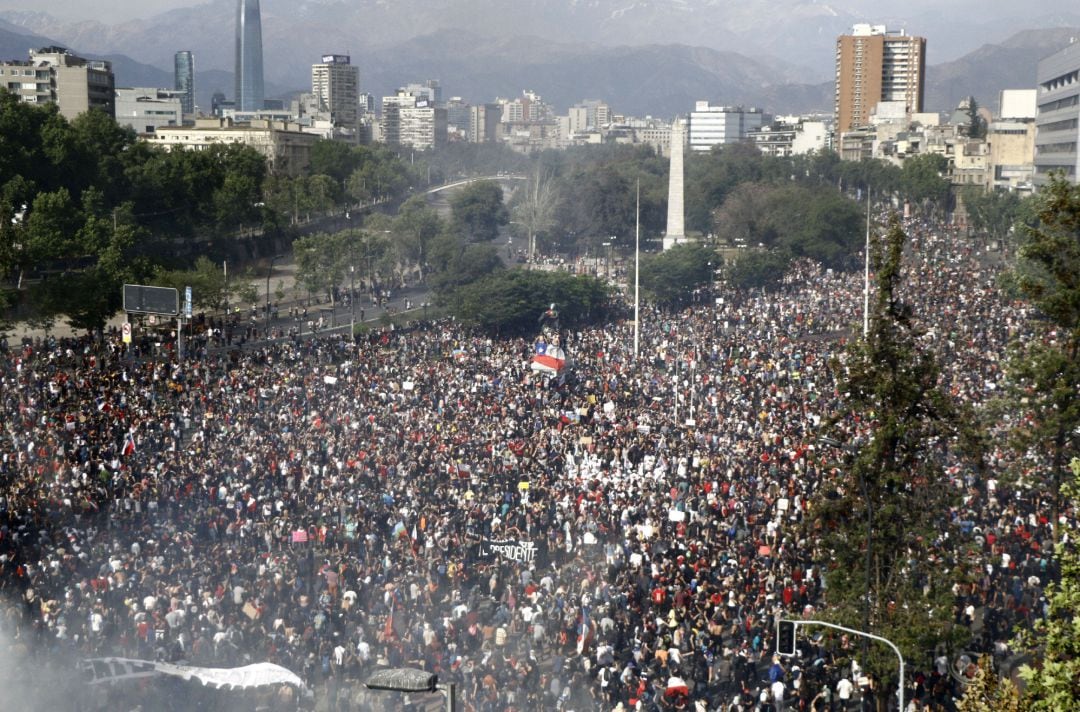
{"type": "Point", "coordinates": [249, 56]}
{"type": "Point", "coordinates": [184, 63]}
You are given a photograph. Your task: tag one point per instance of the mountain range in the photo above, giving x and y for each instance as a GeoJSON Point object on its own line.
{"type": "Point", "coordinates": [565, 50]}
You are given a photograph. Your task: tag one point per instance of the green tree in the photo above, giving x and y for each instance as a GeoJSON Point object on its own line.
{"type": "Point", "coordinates": [745, 217]}
{"type": "Point", "coordinates": [988, 692]}
{"type": "Point", "coordinates": [1053, 683]}
{"type": "Point", "coordinates": [210, 288]}
{"type": "Point", "coordinates": [819, 223]}
{"type": "Point", "coordinates": [1045, 371]}
{"type": "Point", "coordinates": [238, 197]}
{"type": "Point", "coordinates": [671, 276]}
{"type": "Point", "coordinates": [755, 268]}
{"type": "Point", "coordinates": [321, 260]}
{"type": "Point", "coordinates": [993, 211]}
{"type": "Point", "coordinates": [976, 127]}
{"type": "Point", "coordinates": [511, 300]}
{"type": "Point", "coordinates": [883, 516]}
{"type": "Point", "coordinates": [924, 183]}
{"type": "Point", "coordinates": [52, 224]}
{"type": "Point", "coordinates": [415, 226]}
{"type": "Point", "coordinates": [478, 210]}
{"type": "Point", "coordinates": [335, 159]}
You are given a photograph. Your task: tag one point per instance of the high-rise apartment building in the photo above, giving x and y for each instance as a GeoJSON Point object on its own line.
{"type": "Point", "coordinates": [335, 87]}
{"type": "Point", "coordinates": [249, 56]}
{"type": "Point", "coordinates": [184, 80]}
{"type": "Point", "coordinates": [1057, 120]}
{"type": "Point", "coordinates": [55, 76]}
{"type": "Point", "coordinates": [484, 121]}
{"type": "Point", "coordinates": [874, 64]}
{"type": "Point", "coordinates": [411, 120]}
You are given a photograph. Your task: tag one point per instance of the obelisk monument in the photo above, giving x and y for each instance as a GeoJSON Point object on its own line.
{"type": "Point", "coordinates": [676, 232]}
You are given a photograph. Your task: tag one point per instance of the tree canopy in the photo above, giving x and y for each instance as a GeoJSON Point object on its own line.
{"type": "Point", "coordinates": [882, 516]}
{"type": "Point", "coordinates": [479, 212]}
{"type": "Point", "coordinates": [509, 301]}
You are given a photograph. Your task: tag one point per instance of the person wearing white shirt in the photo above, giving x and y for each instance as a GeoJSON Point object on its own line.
{"type": "Point", "coordinates": [844, 688]}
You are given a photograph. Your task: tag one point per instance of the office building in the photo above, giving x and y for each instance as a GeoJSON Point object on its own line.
{"type": "Point", "coordinates": [457, 116]}
{"type": "Point", "coordinates": [430, 90]}
{"type": "Point", "coordinates": [716, 125]}
{"type": "Point", "coordinates": [184, 80]}
{"type": "Point", "coordinates": [286, 147]}
{"type": "Point", "coordinates": [249, 56]}
{"type": "Point", "coordinates": [484, 123]}
{"type": "Point", "coordinates": [335, 89]}
{"type": "Point", "coordinates": [146, 109]}
{"type": "Point", "coordinates": [874, 64]}
{"type": "Point", "coordinates": [55, 76]}
{"type": "Point", "coordinates": [1057, 120]}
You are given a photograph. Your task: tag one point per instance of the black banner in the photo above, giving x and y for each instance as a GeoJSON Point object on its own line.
{"type": "Point", "coordinates": [518, 550]}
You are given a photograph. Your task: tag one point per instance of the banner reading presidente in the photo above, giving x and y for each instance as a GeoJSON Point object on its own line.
{"type": "Point", "coordinates": [526, 552]}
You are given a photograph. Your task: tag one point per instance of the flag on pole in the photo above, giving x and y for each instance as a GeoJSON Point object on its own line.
{"type": "Point", "coordinates": [459, 470]}
{"type": "Point", "coordinates": [129, 443]}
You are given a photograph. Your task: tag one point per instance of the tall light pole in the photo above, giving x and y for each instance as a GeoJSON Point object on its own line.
{"type": "Point", "coordinates": [269, 271]}
{"type": "Point", "coordinates": [352, 301]}
{"type": "Point", "coordinates": [637, 270]}
{"type": "Point", "coordinates": [866, 274]}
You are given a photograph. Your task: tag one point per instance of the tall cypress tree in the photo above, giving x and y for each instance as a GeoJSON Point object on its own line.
{"type": "Point", "coordinates": [1045, 371]}
{"type": "Point", "coordinates": [882, 517]}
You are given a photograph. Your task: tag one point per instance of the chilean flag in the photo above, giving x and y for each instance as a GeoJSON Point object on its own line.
{"type": "Point", "coordinates": [129, 443]}
{"type": "Point", "coordinates": [549, 358]}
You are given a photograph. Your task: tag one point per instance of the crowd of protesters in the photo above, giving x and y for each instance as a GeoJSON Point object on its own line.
{"type": "Point", "coordinates": [336, 506]}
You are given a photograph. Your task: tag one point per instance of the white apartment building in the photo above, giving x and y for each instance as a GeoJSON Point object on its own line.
{"type": "Point", "coordinates": [286, 147]}
{"type": "Point", "coordinates": [716, 125]}
{"type": "Point", "coordinates": [335, 90]}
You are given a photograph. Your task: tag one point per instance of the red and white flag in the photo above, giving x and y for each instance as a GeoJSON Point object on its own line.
{"type": "Point", "coordinates": [462, 472]}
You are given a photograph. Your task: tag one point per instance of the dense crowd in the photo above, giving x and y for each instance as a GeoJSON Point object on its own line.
{"type": "Point", "coordinates": [421, 498]}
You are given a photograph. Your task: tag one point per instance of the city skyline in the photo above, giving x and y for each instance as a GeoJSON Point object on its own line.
{"type": "Point", "coordinates": [482, 66]}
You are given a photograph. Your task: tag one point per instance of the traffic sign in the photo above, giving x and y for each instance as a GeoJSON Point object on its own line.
{"type": "Point", "coordinates": [140, 299]}
{"type": "Point", "coordinates": [126, 331]}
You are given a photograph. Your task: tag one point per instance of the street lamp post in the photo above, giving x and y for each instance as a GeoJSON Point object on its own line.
{"type": "Point", "coordinates": [269, 271]}
{"type": "Point", "coordinates": [864, 634]}
{"type": "Point", "coordinates": [352, 301]}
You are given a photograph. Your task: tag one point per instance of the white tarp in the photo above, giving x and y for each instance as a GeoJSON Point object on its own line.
{"type": "Point", "coordinates": [100, 670]}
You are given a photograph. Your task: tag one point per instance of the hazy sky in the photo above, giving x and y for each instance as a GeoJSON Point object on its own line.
{"type": "Point", "coordinates": [108, 11]}
{"type": "Point", "coordinates": [112, 11]}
